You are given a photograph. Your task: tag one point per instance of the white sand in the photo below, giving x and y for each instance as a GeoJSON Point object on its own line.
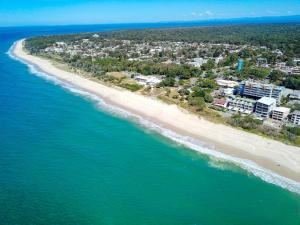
{"type": "Point", "coordinates": [273, 155]}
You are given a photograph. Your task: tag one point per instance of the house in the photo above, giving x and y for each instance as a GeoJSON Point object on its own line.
{"type": "Point", "coordinates": [197, 62]}
{"type": "Point", "coordinates": [242, 105]}
{"type": "Point", "coordinates": [296, 62]}
{"type": "Point", "coordinates": [280, 113]}
{"type": "Point", "coordinates": [277, 52]}
{"type": "Point", "coordinates": [220, 103]}
{"type": "Point", "coordinates": [295, 117]}
{"type": "Point", "coordinates": [265, 106]}
{"type": "Point", "coordinates": [294, 97]}
{"type": "Point", "coordinates": [147, 80]}
{"type": "Point", "coordinates": [295, 70]}
{"type": "Point", "coordinates": [261, 61]}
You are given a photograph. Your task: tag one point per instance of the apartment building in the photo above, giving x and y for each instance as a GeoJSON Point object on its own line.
{"type": "Point", "coordinates": [242, 105]}
{"type": "Point", "coordinates": [280, 113]}
{"type": "Point", "coordinates": [259, 90]}
{"type": "Point", "coordinates": [295, 117]}
{"type": "Point", "coordinates": [265, 106]}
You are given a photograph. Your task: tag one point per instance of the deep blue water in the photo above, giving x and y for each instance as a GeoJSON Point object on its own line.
{"type": "Point", "coordinates": [66, 160]}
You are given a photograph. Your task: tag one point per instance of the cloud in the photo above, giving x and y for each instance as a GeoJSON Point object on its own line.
{"type": "Point", "coordinates": [201, 14]}
{"type": "Point", "coordinates": [208, 13]}
{"type": "Point", "coordinates": [194, 14]}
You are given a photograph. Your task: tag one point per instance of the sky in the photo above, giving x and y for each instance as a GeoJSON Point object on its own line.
{"type": "Point", "coordinates": [62, 12]}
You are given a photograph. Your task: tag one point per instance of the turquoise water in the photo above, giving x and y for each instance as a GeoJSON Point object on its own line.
{"type": "Point", "coordinates": [66, 160]}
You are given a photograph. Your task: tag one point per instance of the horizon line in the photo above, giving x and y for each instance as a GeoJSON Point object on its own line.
{"type": "Point", "coordinates": [166, 22]}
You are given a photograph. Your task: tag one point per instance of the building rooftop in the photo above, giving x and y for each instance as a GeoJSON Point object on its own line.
{"type": "Point", "coordinates": [281, 109]}
{"type": "Point", "coordinates": [267, 101]}
{"type": "Point", "coordinates": [296, 112]}
{"type": "Point", "coordinates": [219, 101]}
{"type": "Point", "coordinates": [262, 85]}
{"type": "Point", "coordinates": [244, 100]}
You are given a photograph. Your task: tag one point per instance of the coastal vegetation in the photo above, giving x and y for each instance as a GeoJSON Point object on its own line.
{"type": "Point", "coordinates": [187, 62]}
{"type": "Point", "coordinates": [275, 36]}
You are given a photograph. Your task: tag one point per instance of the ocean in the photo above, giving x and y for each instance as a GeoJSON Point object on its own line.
{"type": "Point", "coordinates": [66, 157]}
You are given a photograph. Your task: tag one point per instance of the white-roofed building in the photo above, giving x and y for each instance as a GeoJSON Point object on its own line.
{"type": "Point", "coordinates": [147, 80]}
{"type": "Point", "coordinates": [295, 117]}
{"type": "Point", "coordinates": [242, 105]}
{"type": "Point", "coordinates": [265, 106]}
{"type": "Point", "coordinates": [280, 113]}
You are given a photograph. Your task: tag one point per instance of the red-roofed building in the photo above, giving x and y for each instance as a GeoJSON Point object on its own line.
{"type": "Point", "coordinates": [220, 102]}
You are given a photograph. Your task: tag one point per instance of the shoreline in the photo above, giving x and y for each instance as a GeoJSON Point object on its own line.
{"type": "Point", "coordinates": [236, 144]}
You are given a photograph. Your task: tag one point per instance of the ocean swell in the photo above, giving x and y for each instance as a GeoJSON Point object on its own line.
{"type": "Point", "coordinates": [253, 168]}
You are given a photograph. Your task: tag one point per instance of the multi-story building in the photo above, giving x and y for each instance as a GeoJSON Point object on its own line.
{"type": "Point", "coordinates": [280, 113]}
{"type": "Point", "coordinates": [242, 105]}
{"type": "Point", "coordinates": [265, 106]}
{"type": "Point", "coordinates": [259, 90]}
{"type": "Point", "coordinates": [295, 117]}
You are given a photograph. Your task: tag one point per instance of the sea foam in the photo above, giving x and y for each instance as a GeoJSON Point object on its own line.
{"type": "Point", "coordinates": [191, 143]}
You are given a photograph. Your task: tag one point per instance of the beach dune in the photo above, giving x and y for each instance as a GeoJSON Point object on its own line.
{"type": "Point", "coordinates": [269, 154]}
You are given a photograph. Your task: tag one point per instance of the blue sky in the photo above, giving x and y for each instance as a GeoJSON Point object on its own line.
{"type": "Point", "coordinates": [52, 12]}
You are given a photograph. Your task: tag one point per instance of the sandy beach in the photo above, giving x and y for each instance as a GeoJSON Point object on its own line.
{"type": "Point", "coordinates": [269, 154]}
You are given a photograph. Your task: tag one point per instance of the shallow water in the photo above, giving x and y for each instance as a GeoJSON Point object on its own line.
{"type": "Point", "coordinates": [66, 159]}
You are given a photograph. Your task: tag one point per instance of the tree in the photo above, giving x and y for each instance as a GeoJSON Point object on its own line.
{"type": "Point", "coordinates": [197, 102]}
{"type": "Point", "coordinates": [276, 76]}
{"type": "Point", "coordinates": [208, 98]}
{"type": "Point", "coordinates": [292, 82]}
{"type": "Point", "coordinates": [198, 92]}
{"type": "Point", "coordinates": [168, 81]}
{"type": "Point", "coordinates": [207, 83]}
{"type": "Point", "coordinates": [209, 65]}
{"type": "Point", "coordinates": [259, 73]}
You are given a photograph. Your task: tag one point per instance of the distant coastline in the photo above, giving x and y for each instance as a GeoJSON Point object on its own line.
{"type": "Point", "coordinates": [176, 24]}
{"type": "Point", "coordinates": [272, 155]}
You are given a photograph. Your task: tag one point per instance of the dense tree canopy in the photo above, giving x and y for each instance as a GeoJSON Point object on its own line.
{"type": "Point", "coordinates": [275, 36]}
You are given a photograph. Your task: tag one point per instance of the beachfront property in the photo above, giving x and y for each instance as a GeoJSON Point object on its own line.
{"type": "Point", "coordinates": [147, 80]}
{"type": "Point", "coordinates": [258, 90]}
{"type": "Point", "coordinates": [295, 117]}
{"type": "Point", "coordinates": [242, 105]}
{"type": "Point", "coordinates": [222, 103]}
{"type": "Point", "coordinates": [280, 113]}
{"type": "Point", "coordinates": [264, 107]}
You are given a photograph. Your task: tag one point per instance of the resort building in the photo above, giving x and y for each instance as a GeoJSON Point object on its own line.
{"type": "Point", "coordinates": [280, 113]}
{"type": "Point", "coordinates": [265, 106]}
{"type": "Point", "coordinates": [259, 90]}
{"type": "Point", "coordinates": [295, 117]}
{"type": "Point", "coordinates": [242, 105]}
